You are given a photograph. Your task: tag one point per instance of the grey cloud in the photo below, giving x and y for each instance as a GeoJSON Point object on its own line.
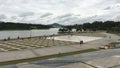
{"type": "Point", "coordinates": [14, 17]}
{"type": "Point", "coordinates": [73, 10]}
{"type": "Point", "coordinates": [64, 16]}
{"type": "Point", "coordinates": [68, 21]}
{"type": "Point", "coordinates": [78, 15]}
{"type": "Point", "coordinates": [97, 18]}
{"type": "Point", "coordinates": [112, 7]}
{"type": "Point", "coordinates": [2, 17]}
{"type": "Point", "coordinates": [46, 15]}
{"type": "Point", "coordinates": [25, 14]}
{"type": "Point", "coordinates": [75, 20]}
{"type": "Point", "coordinates": [61, 18]}
{"type": "Point", "coordinates": [117, 17]}
{"type": "Point", "coordinates": [116, 1]}
{"type": "Point", "coordinates": [92, 18]}
{"type": "Point", "coordinates": [107, 8]}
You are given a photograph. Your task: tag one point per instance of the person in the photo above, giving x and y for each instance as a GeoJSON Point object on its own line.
{"type": "Point", "coordinates": [107, 47]}
{"type": "Point", "coordinates": [81, 42]}
{"type": "Point", "coordinates": [39, 37]}
{"type": "Point", "coordinates": [53, 39]}
{"type": "Point", "coordinates": [18, 37]}
{"type": "Point", "coordinates": [8, 38]}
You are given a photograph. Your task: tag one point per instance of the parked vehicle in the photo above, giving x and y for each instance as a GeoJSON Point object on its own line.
{"type": "Point", "coordinates": [111, 45]}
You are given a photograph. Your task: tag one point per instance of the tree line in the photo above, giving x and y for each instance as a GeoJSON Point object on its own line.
{"type": "Point", "coordinates": [109, 26]}
{"type": "Point", "coordinates": [21, 26]}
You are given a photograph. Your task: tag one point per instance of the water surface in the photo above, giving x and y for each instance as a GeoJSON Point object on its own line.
{"type": "Point", "coordinates": [27, 33]}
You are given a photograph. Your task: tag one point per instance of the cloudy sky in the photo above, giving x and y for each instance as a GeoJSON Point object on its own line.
{"type": "Point", "coordinates": [59, 11]}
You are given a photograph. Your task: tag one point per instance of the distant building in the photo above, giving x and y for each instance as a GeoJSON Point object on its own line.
{"type": "Point", "coordinates": [73, 30]}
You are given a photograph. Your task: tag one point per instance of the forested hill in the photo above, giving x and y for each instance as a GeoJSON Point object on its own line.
{"type": "Point", "coordinates": [21, 26]}
{"type": "Point", "coordinates": [110, 26]}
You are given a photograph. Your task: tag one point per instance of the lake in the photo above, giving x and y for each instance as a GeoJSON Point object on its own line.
{"type": "Point", "coordinates": [27, 33]}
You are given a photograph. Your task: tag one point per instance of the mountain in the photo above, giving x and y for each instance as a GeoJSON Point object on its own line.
{"type": "Point", "coordinates": [21, 26]}
{"type": "Point", "coordinates": [56, 25]}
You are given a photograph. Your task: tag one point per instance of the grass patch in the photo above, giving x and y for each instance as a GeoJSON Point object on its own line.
{"type": "Point", "coordinates": [116, 33]}
{"type": "Point", "coordinates": [114, 43]}
{"type": "Point", "coordinates": [46, 57]}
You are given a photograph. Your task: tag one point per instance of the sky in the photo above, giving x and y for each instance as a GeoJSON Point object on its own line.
{"type": "Point", "coordinates": [66, 12]}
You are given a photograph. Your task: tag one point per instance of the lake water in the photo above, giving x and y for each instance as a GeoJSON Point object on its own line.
{"type": "Point", "coordinates": [27, 33]}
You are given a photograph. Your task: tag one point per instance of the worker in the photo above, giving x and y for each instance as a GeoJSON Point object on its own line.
{"type": "Point", "coordinates": [81, 42]}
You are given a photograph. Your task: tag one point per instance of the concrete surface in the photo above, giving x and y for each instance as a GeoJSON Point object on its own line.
{"type": "Point", "coordinates": [100, 59]}
{"type": "Point", "coordinates": [74, 38]}
{"type": "Point", "coordinates": [96, 59]}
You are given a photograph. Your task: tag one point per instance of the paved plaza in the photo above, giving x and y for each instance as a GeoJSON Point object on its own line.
{"type": "Point", "coordinates": [75, 38]}
{"type": "Point", "coordinates": [42, 42]}
{"type": "Point", "coordinates": [100, 59]}
{"type": "Point", "coordinates": [28, 43]}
